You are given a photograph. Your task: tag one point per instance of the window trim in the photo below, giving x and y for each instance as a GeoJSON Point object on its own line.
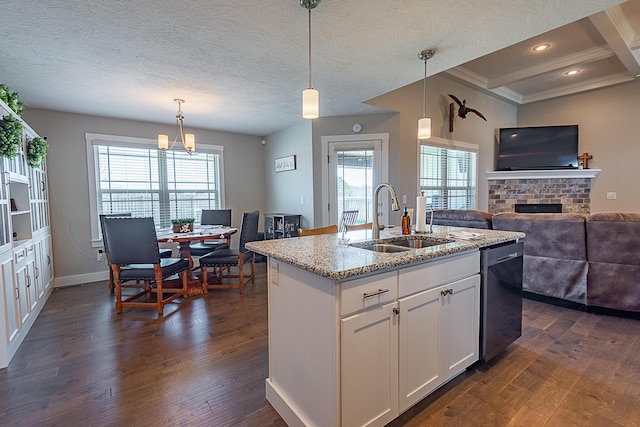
{"type": "Point", "coordinates": [93, 138]}
{"type": "Point", "coordinates": [452, 144]}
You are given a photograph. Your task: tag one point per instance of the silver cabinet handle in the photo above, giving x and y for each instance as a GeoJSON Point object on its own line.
{"type": "Point", "coordinates": [373, 294]}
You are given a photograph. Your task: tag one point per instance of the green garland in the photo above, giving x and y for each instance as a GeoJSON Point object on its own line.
{"type": "Point", "coordinates": [182, 220]}
{"type": "Point", "coordinates": [36, 151]}
{"type": "Point", "coordinates": [10, 136]}
{"type": "Point", "coordinates": [12, 99]}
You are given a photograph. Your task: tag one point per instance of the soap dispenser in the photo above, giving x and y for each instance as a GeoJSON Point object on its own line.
{"type": "Point", "coordinates": [406, 222]}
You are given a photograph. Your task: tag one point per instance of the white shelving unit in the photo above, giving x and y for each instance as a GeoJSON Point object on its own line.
{"type": "Point", "coordinates": [26, 264]}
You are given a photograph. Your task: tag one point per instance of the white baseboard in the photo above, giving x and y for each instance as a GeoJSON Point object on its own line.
{"type": "Point", "coordinates": [80, 279]}
{"type": "Point", "coordinates": [283, 406]}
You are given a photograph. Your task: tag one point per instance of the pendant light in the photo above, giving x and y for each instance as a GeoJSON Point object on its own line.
{"type": "Point", "coordinates": [310, 96]}
{"type": "Point", "coordinates": [188, 140]}
{"type": "Point", "coordinates": [424, 124]}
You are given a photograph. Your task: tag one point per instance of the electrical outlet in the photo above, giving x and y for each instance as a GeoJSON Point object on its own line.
{"type": "Point", "coordinates": [612, 195]}
{"type": "Point", "coordinates": [100, 255]}
{"type": "Point", "coordinates": [404, 199]}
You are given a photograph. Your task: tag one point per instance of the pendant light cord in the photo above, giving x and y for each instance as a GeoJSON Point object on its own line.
{"type": "Point", "coordinates": [309, 8]}
{"type": "Point", "coordinates": [424, 91]}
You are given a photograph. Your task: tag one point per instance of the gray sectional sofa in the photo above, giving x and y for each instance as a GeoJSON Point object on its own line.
{"type": "Point", "coordinates": [588, 261]}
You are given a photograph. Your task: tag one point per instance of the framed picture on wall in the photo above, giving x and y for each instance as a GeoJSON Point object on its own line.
{"type": "Point", "coordinates": [287, 163]}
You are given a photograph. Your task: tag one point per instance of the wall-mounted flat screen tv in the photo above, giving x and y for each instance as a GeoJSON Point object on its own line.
{"type": "Point", "coordinates": [542, 147]}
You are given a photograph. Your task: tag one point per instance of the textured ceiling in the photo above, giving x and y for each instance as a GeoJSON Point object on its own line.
{"type": "Point", "coordinates": [242, 66]}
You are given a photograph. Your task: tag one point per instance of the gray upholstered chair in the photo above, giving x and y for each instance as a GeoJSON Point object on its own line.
{"type": "Point", "coordinates": [164, 253]}
{"type": "Point", "coordinates": [212, 217]}
{"type": "Point", "coordinates": [134, 254]}
{"type": "Point", "coordinates": [222, 260]}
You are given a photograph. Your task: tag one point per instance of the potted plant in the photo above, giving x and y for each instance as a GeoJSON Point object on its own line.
{"type": "Point", "coordinates": [36, 151]}
{"type": "Point", "coordinates": [12, 99]}
{"type": "Point", "coordinates": [10, 136]}
{"type": "Point", "coordinates": [183, 225]}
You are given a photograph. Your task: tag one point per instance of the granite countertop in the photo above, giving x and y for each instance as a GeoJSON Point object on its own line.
{"type": "Point", "coordinates": [326, 256]}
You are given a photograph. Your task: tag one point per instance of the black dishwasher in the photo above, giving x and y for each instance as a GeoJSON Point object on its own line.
{"type": "Point", "coordinates": [500, 298]}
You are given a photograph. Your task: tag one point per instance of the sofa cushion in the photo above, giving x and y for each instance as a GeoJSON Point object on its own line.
{"type": "Point", "coordinates": [561, 236]}
{"type": "Point", "coordinates": [613, 248]}
{"type": "Point", "coordinates": [462, 218]}
{"type": "Point", "coordinates": [555, 256]}
{"type": "Point", "coordinates": [614, 237]}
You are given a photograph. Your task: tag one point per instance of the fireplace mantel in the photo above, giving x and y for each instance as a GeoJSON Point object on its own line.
{"type": "Point", "coordinates": [543, 174]}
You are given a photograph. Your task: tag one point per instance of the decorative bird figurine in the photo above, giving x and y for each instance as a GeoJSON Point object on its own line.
{"type": "Point", "coordinates": [463, 109]}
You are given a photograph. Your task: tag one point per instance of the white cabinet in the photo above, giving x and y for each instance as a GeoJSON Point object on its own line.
{"type": "Point", "coordinates": [26, 269]}
{"type": "Point", "coordinates": [23, 264]}
{"type": "Point", "coordinates": [369, 367]}
{"type": "Point", "coordinates": [360, 352]}
{"type": "Point", "coordinates": [11, 303]}
{"type": "Point", "coordinates": [438, 337]}
{"type": "Point", "coordinates": [43, 264]}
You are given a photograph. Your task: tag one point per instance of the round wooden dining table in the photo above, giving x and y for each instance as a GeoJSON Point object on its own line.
{"type": "Point", "coordinates": [184, 240]}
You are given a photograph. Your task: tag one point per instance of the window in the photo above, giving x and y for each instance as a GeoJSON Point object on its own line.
{"type": "Point", "coordinates": [448, 173]}
{"type": "Point", "coordinates": [132, 175]}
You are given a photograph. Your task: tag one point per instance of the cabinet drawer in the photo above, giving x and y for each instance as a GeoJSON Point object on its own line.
{"type": "Point", "coordinates": [435, 273]}
{"type": "Point", "coordinates": [367, 292]}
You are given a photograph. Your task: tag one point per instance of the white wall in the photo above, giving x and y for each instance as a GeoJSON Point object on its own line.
{"type": "Point", "coordinates": [290, 191]}
{"type": "Point", "coordinates": [609, 127]}
{"type": "Point", "coordinates": [74, 258]}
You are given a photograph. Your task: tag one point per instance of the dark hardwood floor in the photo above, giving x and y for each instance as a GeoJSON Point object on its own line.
{"type": "Point", "coordinates": [205, 361]}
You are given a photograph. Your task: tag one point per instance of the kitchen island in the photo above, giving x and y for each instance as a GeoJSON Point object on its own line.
{"type": "Point", "coordinates": [356, 337]}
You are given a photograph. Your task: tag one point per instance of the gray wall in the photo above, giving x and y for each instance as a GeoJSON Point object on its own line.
{"type": "Point", "coordinates": [609, 128]}
{"type": "Point", "coordinates": [371, 123]}
{"type": "Point", "coordinates": [408, 101]}
{"type": "Point", "coordinates": [290, 191]}
{"type": "Point", "coordinates": [74, 257]}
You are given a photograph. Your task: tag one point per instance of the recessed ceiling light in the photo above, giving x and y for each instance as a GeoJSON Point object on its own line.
{"type": "Point", "coordinates": [541, 47]}
{"type": "Point", "coordinates": [572, 72]}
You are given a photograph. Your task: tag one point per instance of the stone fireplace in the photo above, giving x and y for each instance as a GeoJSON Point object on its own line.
{"type": "Point", "coordinates": [570, 188]}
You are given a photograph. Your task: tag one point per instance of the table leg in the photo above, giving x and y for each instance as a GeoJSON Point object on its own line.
{"type": "Point", "coordinates": [195, 285]}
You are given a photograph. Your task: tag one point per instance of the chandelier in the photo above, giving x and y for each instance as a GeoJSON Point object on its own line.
{"type": "Point", "coordinates": [188, 140]}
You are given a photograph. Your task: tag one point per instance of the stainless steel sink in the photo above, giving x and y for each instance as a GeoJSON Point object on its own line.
{"type": "Point", "coordinates": [384, 247]}
{"type": "Point", "coordinates": [401, 245]}
{"type": "Point", "coordinates": [418, 243]}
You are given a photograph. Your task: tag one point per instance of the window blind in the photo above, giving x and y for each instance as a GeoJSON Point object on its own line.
{"type": "Point", "coordinates": [162, 184]}
{"type": "Point", "coordinates": [448, 177]}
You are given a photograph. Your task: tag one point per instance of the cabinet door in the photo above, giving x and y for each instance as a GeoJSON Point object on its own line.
{"type": "Point", "coordinates": [32, 283]}
{"type": "Point", "coordinates": [369, 367]}
{"type": "Point", "coordinates": [461, 325]}
{"type": "Point", "coordinates": [11, 303]}
{"type": "Point", "coordinates": [419, 358]}
{"type": "Point", "coordinates": [22, 298]}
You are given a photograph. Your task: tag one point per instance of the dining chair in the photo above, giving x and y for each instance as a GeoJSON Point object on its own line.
{"type": "Point", "coordinates": [135, 256]}
{"type": "Point", "coordinates": [365, 226]}
{"type": "Point", "coordinates": [212, 217]}
{"type": "Point", "coordinates": [164, 253]}
{"type": "Point", "coordinates": [222, 260]}
{"type": "Point", "coordinates": [347, 218]}
{"type": "Point", "coordinates": [321, 230]}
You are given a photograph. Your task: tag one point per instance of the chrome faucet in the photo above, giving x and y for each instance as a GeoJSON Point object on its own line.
{"type": "Point", "coordinates": [431, 218]}
{"type": "Point", "coordinates": [394, 205]}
